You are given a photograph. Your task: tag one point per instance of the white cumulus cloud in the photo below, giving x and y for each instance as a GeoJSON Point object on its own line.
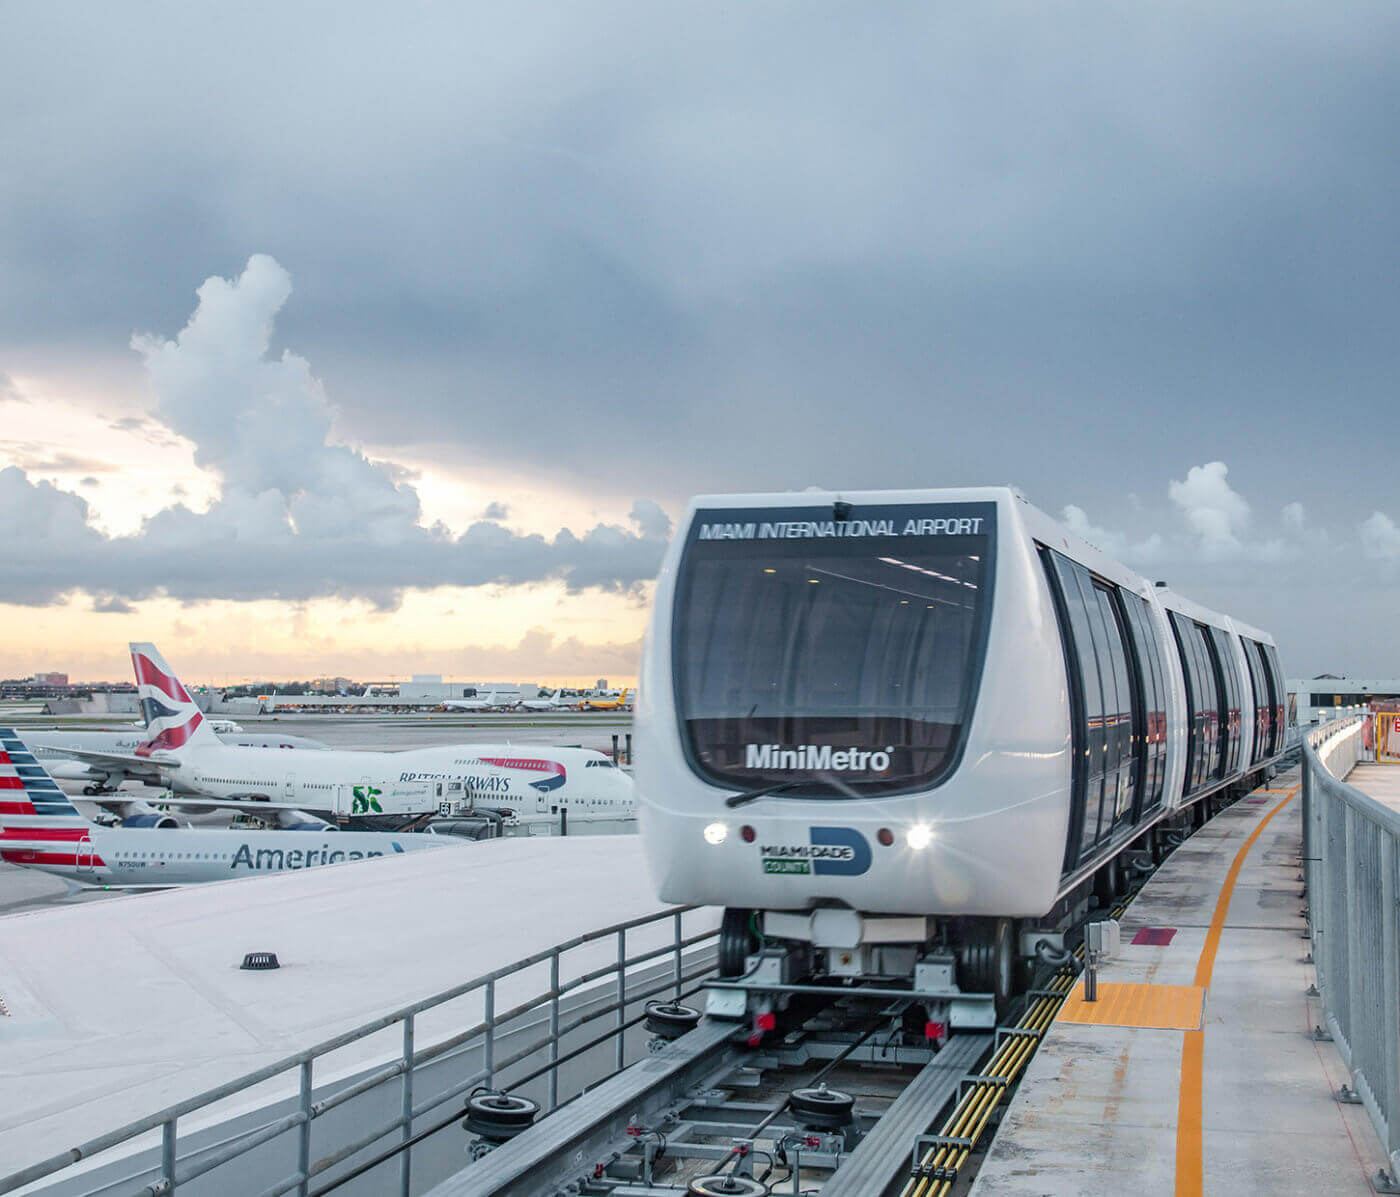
{"type": "Point", "coordinates": [1215, 511]}
{"type": "Point", "coordinates": [297, 515]}
{"type": "Point", "coordinates": [1380, 538]}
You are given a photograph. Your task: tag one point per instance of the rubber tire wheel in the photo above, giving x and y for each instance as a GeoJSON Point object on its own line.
{"type": "Point", "coordinates": [727, 1186]}
{"type": "Point", "coordinates": [499, 1115]}
{"type": "Point", "coordinates": [988, 964]}
{"type": "Point", "coordinates": [671, 1020]}
{"type": "Point", "coordinates": [822, 1108]}
{"type": "Point", "coordinates": [736, 941]}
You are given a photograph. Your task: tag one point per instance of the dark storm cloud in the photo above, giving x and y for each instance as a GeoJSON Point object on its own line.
{"type": "Point", "coordinates": [656, 249]}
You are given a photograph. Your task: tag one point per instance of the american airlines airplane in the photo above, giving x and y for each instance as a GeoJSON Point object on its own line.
{"type": "Point", "coordinates": [374, 790]}
{"type": "Point", "coordinates": [41, 829]}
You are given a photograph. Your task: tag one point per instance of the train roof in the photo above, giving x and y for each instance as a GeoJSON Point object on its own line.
{"type": "Point", "coordinates": [1040, 524]}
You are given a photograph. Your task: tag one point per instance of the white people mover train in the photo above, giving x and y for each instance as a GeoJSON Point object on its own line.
{"type": "Point", "coordinates": [909, 731]}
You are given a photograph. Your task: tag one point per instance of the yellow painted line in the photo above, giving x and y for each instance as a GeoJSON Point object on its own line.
{"type": "Point", "coordinates": [1190, 1170]}
{"type": "Point", "coordinates": [1121, 1004]}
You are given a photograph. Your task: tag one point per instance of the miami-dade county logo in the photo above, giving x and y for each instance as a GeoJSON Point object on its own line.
{"type": "Point", "coordinates": [832, 852]}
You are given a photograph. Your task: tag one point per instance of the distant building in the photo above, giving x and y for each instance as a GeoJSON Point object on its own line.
{"type": "Point", "coordinates": [601, 686]}
{"type": "Point", "coordinates": [1323, 695]}
{"type": "Point", "coordinates": [50, 679]}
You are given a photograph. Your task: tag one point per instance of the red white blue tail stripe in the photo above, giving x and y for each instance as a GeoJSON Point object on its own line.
{"type": "Point", "coordinates": [172, 717]}
{"type": "Point", "coordinates": [38, 824]}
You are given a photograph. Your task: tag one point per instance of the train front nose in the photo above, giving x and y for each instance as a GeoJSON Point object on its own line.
{"type": "Point", "coordinates": [824, 665]}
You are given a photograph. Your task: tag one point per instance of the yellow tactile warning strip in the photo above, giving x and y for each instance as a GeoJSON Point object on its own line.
{"type": "Point", "coordinates": [1125, 1004]}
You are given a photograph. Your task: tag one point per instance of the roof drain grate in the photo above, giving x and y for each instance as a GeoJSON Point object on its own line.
{"type": "Point", "coordinates": [258, 961]}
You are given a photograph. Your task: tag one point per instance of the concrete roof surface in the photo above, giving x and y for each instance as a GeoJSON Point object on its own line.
{"type": "Point", "coordinates": [120, 1008]}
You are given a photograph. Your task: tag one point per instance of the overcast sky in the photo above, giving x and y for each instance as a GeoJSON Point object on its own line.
{"type": "Point", "coordinates": [346, 336]}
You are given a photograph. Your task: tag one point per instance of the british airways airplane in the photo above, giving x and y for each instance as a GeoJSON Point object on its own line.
{"type": "Point", "coordinates": [41, 829]}
{"type": "Point", "coordinates": [376, 790]}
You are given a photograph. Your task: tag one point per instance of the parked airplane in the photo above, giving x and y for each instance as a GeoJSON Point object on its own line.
{"type": "Point", "coordinates": [375, 790]}
{"type": "Point", "coordinates": [54, 747]}
{"type": "Point", "coordinates": [41, 829]}
{"type": "Point", "coordinates": [553, 703]}
{"type": "Point", "coordinates": [606, 704]}
{"type": "Point", "coordinates": [489, 703]}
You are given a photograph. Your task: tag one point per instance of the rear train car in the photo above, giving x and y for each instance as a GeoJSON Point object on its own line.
{"type": "Point", "coordinates": [894, 727]}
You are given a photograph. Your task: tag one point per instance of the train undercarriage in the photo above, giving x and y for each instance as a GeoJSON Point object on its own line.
{"type": "Point", "coordinates": [963, 973]}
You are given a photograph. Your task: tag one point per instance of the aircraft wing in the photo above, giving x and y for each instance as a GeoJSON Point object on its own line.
{"type": "Point", "coordinates": [251, 806]}
{"type": "Point", "coordinates": [120, 762]}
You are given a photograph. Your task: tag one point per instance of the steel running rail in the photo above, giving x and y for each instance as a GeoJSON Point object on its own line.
{"type": "Point", "coordinates": [1351, 875]}
{"type": "Point", "coordinates": [628, 980]}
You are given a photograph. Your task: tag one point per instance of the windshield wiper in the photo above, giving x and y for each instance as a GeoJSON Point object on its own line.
{"type": "Point", "coordinates": [749, 795]}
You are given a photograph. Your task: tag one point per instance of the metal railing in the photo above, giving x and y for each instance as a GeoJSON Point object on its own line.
{"type": "Point", "coordinates": [502, 1040]}
{"type": "Point", "coordinates": [1351, 850]}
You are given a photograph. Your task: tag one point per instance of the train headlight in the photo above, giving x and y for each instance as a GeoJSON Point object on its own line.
{"type": "Point", "coordinates": [716, 833]}
{"type": "Point", "coordinates": [918, 837]}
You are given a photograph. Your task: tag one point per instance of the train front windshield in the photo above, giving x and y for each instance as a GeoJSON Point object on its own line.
{"type": "Point", "coordinates": [835, 657]}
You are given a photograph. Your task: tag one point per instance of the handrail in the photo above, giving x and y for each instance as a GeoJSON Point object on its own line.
{"type": "Point", "coordinates": [175, 1172]}
{"type": "Point", "coordinates": [1351, 853]}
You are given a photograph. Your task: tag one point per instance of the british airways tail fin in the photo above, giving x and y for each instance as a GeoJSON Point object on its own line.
{"type": "Point", "coordinates": [35, 815]}
{"type": "Point", "coordinates": [173, 720]}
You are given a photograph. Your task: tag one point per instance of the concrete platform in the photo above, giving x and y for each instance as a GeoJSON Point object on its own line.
{"type": "Point", "coordinates": [1244, 1104]}
{"type": "Point", "coordinates": [1381, 782]}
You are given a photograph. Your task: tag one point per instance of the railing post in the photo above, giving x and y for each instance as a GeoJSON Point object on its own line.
{"type": "Point", "coordinates": [488, 1048]}
{"type": "Point", "coordinates": [676, 969]}
{"type": "Point", "coordinates": [1352, 1031]}
{"type": "Point", "coordinates": [304, 1131]}
{"type": "Point", "coordinates": [554, 1029]}
{"type": "Point", "coordinates": [621, 1016]}
{"type": "Point", "coordinates": [406, 1095]}
{"type": "Point", "coordinates": [1390, 1001]}
{"type": "Point", "coordinates": [167, 1154]}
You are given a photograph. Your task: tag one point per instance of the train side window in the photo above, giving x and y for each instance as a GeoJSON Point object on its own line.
{"type": "Point", "coordinates": [1099, 696]}
{"type": "Point", "coordinates": [1226, 649]}
{"type": "Point", "coordinates": [1276, 676]}
{"type": "Point", "coordinates": [1193, 686]}
{"type": "Point", "coordinates": [1271, 720]}
{"type": "Point", "coordinates": [1260, 698]}
{"type": "Point", "coordinates": [1153, 726]}
{"type": "Point", "coordinates": [1086, 704]}
{"type": "Point", "coordinates": [1227, 697]}
{"type": "Point", "coordinates": [1210, 704]}
{"type": "Point", "coordinates": [1119, 766]}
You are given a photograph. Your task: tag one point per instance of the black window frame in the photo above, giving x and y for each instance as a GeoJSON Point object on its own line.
{"type": "Point", "coordinates": [1149, 661]}
{"type": "Point", "coordinates": [1203, 709]}
{"type": "Point", "coordinates": [1100, 755]}
{"type": "Point", "coordinates": [848, 789]}
{"type": "Point", "coordinates": [1270, 653]}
